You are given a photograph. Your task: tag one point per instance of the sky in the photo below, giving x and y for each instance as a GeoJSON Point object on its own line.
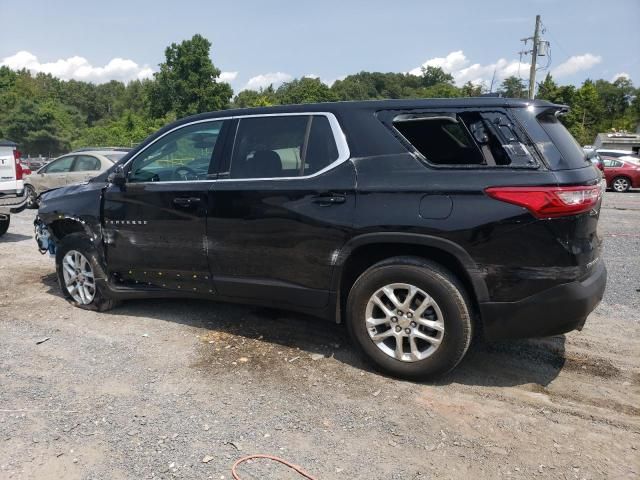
{"type": "Point", "coordinates": [257, 43]}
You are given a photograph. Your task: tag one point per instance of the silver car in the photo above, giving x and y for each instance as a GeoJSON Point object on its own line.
{"type": "Point", "coordinates": [73, 167]}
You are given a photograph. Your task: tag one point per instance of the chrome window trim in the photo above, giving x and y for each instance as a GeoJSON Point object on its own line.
{"type": "Point", "coordinates": [338, 135]}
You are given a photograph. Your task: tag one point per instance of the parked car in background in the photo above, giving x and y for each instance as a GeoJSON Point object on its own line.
{"type": "Point", "coordinates": [74, 167]}
{"type": "Point", "coordinates": [606, 152]}
{"type": "Point", "coordinates": [12, 197]}
{"type": "Point", "coordinates": [621, 173]}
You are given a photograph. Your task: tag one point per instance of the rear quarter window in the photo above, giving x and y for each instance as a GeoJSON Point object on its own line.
{"type": "Point", "coordinates": [571, 151]}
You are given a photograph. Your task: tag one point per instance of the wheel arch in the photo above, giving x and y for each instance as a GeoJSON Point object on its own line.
{"type": "Point", "coordinates": [365, 250]}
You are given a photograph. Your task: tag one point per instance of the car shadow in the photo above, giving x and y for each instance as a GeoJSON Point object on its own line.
{"type": "Point", "coordinates": [496, 364]}
{"type": "Point", "coordinates": [14, 237]}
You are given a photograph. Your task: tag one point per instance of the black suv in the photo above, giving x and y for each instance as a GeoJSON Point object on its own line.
{"type": "Point", "coordinates": [415, 222]}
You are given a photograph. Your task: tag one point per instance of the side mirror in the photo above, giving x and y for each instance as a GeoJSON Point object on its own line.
{"type": "Point", "coordinates": [117, 177]}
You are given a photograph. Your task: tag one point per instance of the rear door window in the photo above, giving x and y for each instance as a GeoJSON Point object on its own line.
{"type": "Point", "coordinates": [86, 163]}
{"type": "Point", "coordinates": [282, 146]}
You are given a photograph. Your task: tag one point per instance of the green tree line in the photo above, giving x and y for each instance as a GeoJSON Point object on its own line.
{"type": "Point", "coordinates": [49, 116]}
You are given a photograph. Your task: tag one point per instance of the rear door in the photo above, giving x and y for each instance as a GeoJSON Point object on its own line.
{"type": "Point", "coordinates": [155, 224]}
{"type": "Point", "coordinates": [282, 209]}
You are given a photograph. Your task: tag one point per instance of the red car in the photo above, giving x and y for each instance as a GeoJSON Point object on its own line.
{"type": "Point", "coordinates": [621, 173]}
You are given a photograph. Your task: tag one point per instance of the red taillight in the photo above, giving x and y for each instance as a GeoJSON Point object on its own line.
{"type": "Point", "coordinates": [16, 156]}
{"type": "Point", "coordinates": [547, 202]}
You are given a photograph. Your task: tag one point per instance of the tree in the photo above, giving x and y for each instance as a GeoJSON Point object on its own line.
{"type": "Point", "coordinates": [435, 75]}
{"type": "Point", "coordinates": [512, 87]}
{"type": "Point", "coordinates": [264, 97]}
{"type": "Point", "coordinates": [304, 90]}
{"type": "Point", "coordinates": [471, 89]}
{"type": "Point", "coordinates": [187, 81]}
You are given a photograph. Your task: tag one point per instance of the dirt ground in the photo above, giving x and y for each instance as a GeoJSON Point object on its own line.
{"type": "Point", "coordinates": [181, 389]}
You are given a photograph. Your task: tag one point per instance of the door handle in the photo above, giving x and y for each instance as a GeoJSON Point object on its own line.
{"type": "Point", "coordinates": [326, 200]}
{"type": "Point", "coordinates": [186, 202]}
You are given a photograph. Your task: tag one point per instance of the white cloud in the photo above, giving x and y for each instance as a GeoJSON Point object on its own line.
{"type": "Point", "coordinates": [266, 79]}
{"type": "Point", "coordinates": [228, 76]}
{"type": "Point", "coordinates": [457, 64]}
{"type": "Point", "coordinates": [79, 68]}
{"type": "Point", "coordinates": [576, 64]}
{"type": "Point", "coordinates": [621, 74]}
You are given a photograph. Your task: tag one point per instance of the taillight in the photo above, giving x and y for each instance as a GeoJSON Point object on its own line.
{"type": "Point", "coordinates": [16, 156]}
{"type": "Point", "coordinates": [548, 202]}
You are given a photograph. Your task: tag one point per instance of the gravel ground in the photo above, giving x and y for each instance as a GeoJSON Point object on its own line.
{"type": "Point", "coordinates": [175, 389]}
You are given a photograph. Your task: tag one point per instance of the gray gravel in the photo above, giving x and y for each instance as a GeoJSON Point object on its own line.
{"type": "Point", "coordinates": [175, 389]}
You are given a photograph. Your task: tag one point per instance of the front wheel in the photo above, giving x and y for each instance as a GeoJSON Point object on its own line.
{"type": "Point", "coordinates": [79, 273]}
{"type": "Point", "coordinates": [410, 317]}
{"type": "Point", "coordinates": [31, 195]}
{"type": "Point", "coordinates": [621, 184]}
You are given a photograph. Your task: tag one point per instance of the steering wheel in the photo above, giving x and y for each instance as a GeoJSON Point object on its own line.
{"type": "Point", "coordinates": [183, 173]}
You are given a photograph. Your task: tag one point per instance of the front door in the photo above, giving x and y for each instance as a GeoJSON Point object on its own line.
{"type": "Point", "coordinates": [54, 174]}
{"type": "Point", "coordinates": [282, 210]}
{"type": "Point", "coordinates": [154, 225]}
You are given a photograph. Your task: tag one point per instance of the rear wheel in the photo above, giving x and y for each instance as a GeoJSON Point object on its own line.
{"type": "Point", "coordinates": [31, 195]}
{"type": "Point", "coordinates": [410, 317]}
{"type": "Point", "coordinates": [79, 273]}
{"type": "Point", "coordinates": [4, 224]}
{"type": "Point", "coordinates": [621, 184]}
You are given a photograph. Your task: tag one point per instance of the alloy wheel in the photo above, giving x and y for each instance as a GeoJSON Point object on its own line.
{"type": "Point", "coordinates": [78, 277]}
{"type": "Point", "coordinates": [620, 184]}
{"type": "Point", "coordinates": [404, 322]}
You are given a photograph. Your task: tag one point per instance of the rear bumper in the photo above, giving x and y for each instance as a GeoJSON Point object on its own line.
{"type": "Point", "coordinates": [12, 203]}
{"type": "Point", "coordinates": [554, 311]}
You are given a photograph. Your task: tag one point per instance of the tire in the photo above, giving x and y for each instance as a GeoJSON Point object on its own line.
{"type": "Point", "coordinates": [93, 298]}
{"type": "Point", "coordinates": [31, 195]}
{"type": "Point", "coordinates": [449, 326]}
{"type": "Point", "coordinates": [5, 220]}
{"type": "Point", "coordinates": [620, 184]}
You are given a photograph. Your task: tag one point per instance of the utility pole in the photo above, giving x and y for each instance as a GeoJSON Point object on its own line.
{"type": "Point", "coordinates": [534, 57]}
{"type": "Point", "coordinates": [539, 48]}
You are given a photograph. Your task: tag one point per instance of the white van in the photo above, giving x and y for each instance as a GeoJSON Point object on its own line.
{"type": "Point", "coordinates": [12, 197]}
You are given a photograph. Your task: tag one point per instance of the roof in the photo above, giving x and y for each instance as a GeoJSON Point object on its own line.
{"type": "Point", "coordinates": [7, 143]}
{"type": "Point", "coordinates": [373, 105]}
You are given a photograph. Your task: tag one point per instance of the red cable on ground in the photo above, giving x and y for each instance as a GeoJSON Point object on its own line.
{"type": "Point", "coordinates": [269, 457]}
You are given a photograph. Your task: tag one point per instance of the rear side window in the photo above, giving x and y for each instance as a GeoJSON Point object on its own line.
{"type": "Point", "coordinates": [568, 147]}
{"type": "Point", "coordinates": [85, 163]}
{"type": "Point", "coordinates": [464, 139]}
{"type": "Point", "coordinates": [282, 146]}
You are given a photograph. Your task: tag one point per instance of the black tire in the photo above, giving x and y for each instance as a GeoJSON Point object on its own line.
{"type": "Point", "coordinates": [435, 281]}
{"type": "Point", "coordinates": [620, 184]}
{"type": "Point", "coordinates": [81, 243]}
{"type": "Point", "coordinates": [31, 195]}
{"type": "Point", "coordinates": [5, 220]}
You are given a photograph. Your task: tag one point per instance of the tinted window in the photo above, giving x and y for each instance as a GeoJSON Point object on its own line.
{"type": "Point", "coordinates": [282, 146]}
{"type": "Point", "coordinates": [62, 165]}
{"type": "Point", "coordinates": [182, 155]}
{"type": "Point", "coordinates": [85, 163]}
{"type": "Point", "coordinates": [570, 150]}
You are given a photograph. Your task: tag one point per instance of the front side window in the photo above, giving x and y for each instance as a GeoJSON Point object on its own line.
{"type": "Point", "coordinates": [61, 165]}
{"type": "Point", "coordinates": [182, 155]}
{"type": "Point", "coordinates": [86, 163]}
{"type": "Point", "coordinates": [282, 146]}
